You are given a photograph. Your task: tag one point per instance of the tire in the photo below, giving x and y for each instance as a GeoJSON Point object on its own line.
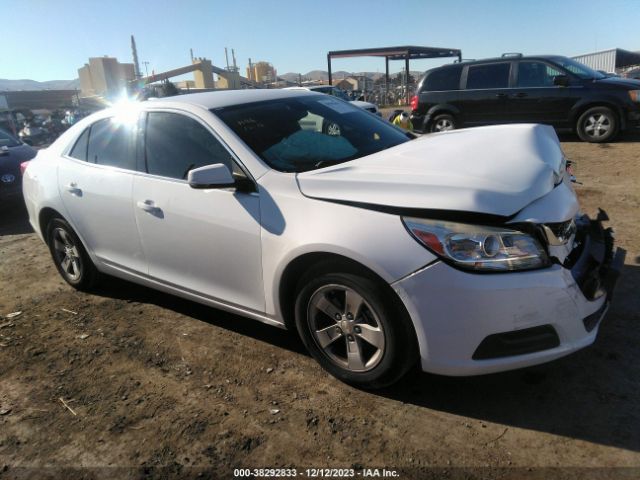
{"type": "Point", "coordinates": [597, 125]}
{"type": "Point", "coordinates": [70, 257]}
{"type": "Point", "coordinates": [442, 123]}
{"type": "Point", "coordinates": [331, 128]}
{"type": "Point", "coordinates": [391, 349]}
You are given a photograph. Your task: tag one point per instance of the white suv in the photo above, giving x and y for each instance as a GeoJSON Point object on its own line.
{"type": "Point", "coordinates": [464, 250]}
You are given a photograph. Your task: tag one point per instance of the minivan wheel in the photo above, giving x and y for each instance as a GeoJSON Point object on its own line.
{"type": "Point", "coordinates": [443, 123]}
{"type": "Point", "coordinates": [597, 125]}
{"type": "Point", "coordinates": [350, 326]}
{"type": "Point", "coordinates": [70, 257]}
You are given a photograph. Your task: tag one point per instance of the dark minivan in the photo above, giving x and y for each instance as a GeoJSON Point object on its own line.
{"type": "Point", "coordinates": [547, 89]}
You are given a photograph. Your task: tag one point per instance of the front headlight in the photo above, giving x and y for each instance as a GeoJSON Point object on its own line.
{"type": "Point", "coordinates": [477, 247]}
{"type": "Point", "coordinates": [635, 95]}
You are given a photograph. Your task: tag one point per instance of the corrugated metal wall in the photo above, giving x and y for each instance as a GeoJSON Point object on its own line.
{"type": "Point", "coordinates": [605, 61]}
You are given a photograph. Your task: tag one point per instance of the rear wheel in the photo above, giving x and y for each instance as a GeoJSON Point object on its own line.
{"type": "Point", "coordinates": [442, 123]}
{"type": "Point", "coordinates": [69, 255]}
{"type": "Point", "coordinates": [353, 327]}
{"type": "Point", "coordinates": [597, 125]}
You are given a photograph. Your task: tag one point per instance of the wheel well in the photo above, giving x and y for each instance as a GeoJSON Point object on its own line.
{"type": "Point", "coordinates": [586, 107]}
{"type": "Point", "coordinates": [296, 269]}
{"type": "Point", "coordinates": [442, 111]}
{"type": "Point", "coordinates": [46, 215]}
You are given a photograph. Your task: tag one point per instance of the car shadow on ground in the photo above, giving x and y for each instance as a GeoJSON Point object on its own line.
{"type": "Point", "coordinates": [121, 289]}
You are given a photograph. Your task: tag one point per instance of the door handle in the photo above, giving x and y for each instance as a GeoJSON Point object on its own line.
{"type": "Point", "coordinates": [520, 95]}
{"type": "Point", "coordinates": [147, 206]}
{"type": "Point", "coordinates": [501, 95]}
{"type": "Point", "coordinates": [73, 189]}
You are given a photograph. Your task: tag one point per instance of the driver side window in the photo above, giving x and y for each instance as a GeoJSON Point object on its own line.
{"type": "Point", "coordinates": [175, 144]}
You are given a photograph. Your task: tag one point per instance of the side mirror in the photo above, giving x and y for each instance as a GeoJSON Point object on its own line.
{"type": "Point", "coordinates": [211, 176]}
{"type": "Point", "coordinates": [561, 80]}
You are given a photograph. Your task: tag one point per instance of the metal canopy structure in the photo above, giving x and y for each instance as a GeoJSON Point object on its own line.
{"type": "Point", "coordinates": [405, 53]}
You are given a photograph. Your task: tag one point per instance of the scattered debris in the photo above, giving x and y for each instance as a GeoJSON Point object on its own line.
{"type": "Point", "coordinates": [67, 406]}
{"type": "Point", "coordinates": [7, 324]}
{"type": "Point", "coordinates": [274, 411]}
{"type": "Point", "coordinates": [5, 411]}
{"type": "Point", "coordinates": [83, 336]}
{"type": "Point", "coordinates": [269, 370]}
{"type": "Point", "coordinates": [498, 437]}
{"type": "Point", "coordinates": [13, 314]}
{"type": "Point", "coordinates": [69, 311]}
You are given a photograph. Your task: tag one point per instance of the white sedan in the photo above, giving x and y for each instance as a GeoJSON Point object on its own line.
{"type": "Point", "coordinates": [463, 250]}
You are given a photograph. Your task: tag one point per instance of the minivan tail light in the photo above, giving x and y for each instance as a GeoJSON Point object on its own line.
{"type": "Point", "coordinates": [23, 167]}
{"type": "Point", "coordinates": [414, 102]}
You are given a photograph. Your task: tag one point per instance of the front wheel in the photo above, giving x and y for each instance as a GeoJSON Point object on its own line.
{"type": "Point", "coordinates": [597, 125]}
{"type": "Point", "coordinates": [443, 123]}
{"type": "Point", "coordinates": [354, 329]}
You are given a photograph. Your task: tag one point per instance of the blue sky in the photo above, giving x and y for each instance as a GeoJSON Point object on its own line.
{"type": "Point", "coordinates": [51, 39]}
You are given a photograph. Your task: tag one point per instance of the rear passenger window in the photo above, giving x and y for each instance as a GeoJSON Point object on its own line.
{"type": "Point", "coordinates": [79, 150]}
{"type": "Point", "coordinates": [112, 143]}
{"type": "Point", "coordinates": [445, 79]}
{"type": "Point", "coordinates": [495, 75]}
{"type": "Point", "coordinates": [175, 144]}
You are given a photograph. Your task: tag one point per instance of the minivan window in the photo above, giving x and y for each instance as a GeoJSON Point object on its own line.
{"type": "Point", "coordinates": [577, 68]}
{"type": "Point", "coordinates": [494, 75]}
{"type": "Point", "coordinates": [536, 74]}
{"type": "Point", "coordinates": [112, 143]}
{"type": "Point", "coordinates": [175, 144]}
{"type": "Point", "coordinates": [443, 79]}
{"type": "Point", "coordinates": [79, 150]}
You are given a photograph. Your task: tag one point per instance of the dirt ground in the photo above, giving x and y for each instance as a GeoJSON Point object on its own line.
{"type": "Point", "coordinates": [159, 387]}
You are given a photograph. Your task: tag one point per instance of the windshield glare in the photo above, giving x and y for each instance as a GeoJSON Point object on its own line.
{"type": "Point", "coordinates": [304, 133]}
{"type": "Point", "coordinates": [578, 69]}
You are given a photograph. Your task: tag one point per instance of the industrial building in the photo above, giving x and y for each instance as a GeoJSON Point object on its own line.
{"type": "Point", "coordinates": [104, 76]}
{"type": "Point", "coordinates": [615, 60]}
{"type": "Point", "coordinates": [261, 72]}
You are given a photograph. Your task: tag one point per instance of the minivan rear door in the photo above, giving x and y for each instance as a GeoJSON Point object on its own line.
{"type": "Point", "coordinates": [485, 89]}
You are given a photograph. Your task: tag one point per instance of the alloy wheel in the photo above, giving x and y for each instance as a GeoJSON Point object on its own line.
{"type": "Point", "coordinates": [442, 125]}
{"type": "Point", "coordinates": [598, 125]}
{"type": "Point", "coordinates": [346, 328]}
{"type": "Point", "coordinates": [66, 254]}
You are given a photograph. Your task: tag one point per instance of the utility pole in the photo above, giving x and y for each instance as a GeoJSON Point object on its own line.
{"type": "Point", "coordinates": [226, 56]}
{"type": "Point", "coordinates": [191, 52]}
{"type": "Point", "coordinates": [146, 68]}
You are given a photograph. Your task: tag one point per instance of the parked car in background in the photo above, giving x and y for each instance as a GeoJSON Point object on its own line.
{"type": "Point", "coordinates": [548, 89]}
{"type": "Point", "coordinates": [12, 153]}
{"type": "Point", "coordinates": [465, 251]}
{"type": "Point", "coordinates": [336, 92]}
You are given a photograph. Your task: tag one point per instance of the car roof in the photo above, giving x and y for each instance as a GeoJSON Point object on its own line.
{"type": "Point", "coordinates": [225, 98]}
{"type": "Point", "coordinates": [498, 59]}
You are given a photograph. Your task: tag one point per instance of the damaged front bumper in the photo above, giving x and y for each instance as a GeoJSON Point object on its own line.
{"type": "Point", "coordinates": [469, 323]}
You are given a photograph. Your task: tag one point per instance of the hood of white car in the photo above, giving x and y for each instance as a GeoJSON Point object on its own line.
{"type": "Point", "coordinates": [495, 170]}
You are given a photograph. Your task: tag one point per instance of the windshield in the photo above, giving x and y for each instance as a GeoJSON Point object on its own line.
{"type": "Point", "coordinates": [7, 140]}
{"type": "Point", "coordinates": [579, 69]}
{"type": "Point", "coordinates": [303, 133]}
